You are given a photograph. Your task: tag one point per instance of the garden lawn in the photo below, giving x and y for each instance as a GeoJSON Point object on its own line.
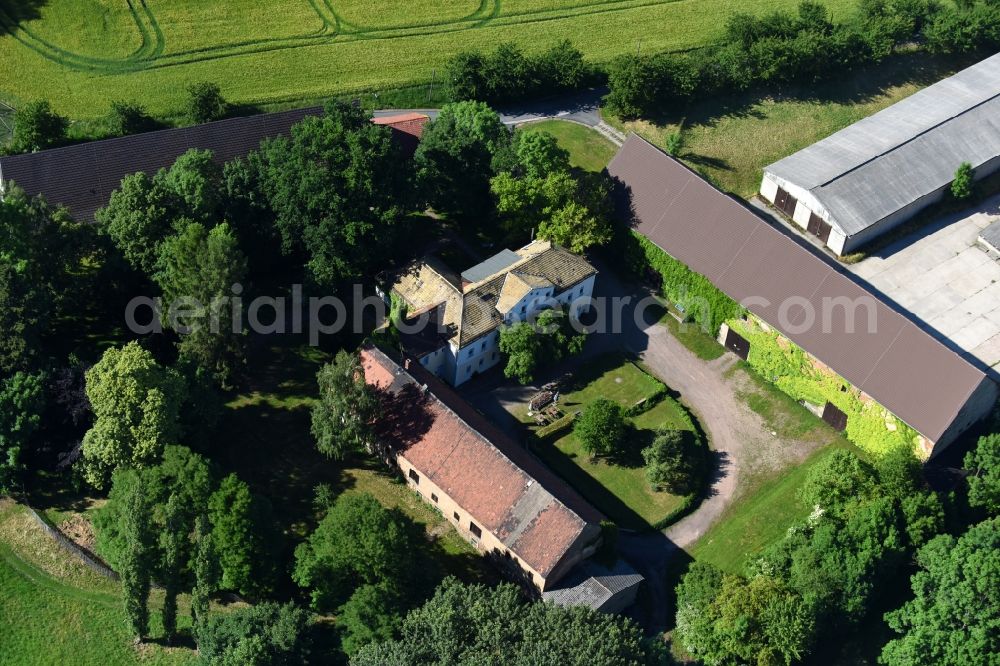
{"type": "Point", "coordinates": [619, 488]}
{"type": "Point", "coordinates": [54, 610]}
{"type": "Point", "coordinates": [83, 53]}
{"type": "Point", "coordinates": [760, 517]}
{"type": "Point", "coordinates": [587, 149]}
{"type": "Point", "coordinates": [612, 377]}
{"type": "Point", "coordinates": [731, 139]}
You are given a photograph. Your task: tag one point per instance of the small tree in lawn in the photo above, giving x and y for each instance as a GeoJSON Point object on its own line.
{"type": "Point", "coordinates": [601, 428]}
{"type": "Point", "coordinates": [962, 185]}
{"type": "Point", "coordinates": [674, 462]}
{"type": "Point", "coordinates": [129, 118]}
{"type": "Point", "coordinates": [342, 419]}
{"type": "Point", "coordinates": [205, 102]}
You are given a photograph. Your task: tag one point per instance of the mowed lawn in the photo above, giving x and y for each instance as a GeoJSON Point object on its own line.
{"type": "Point", "coordinates": [587, 149]}
{"type": "Point", "coordinates": [760, 517]}
{"type": "Point", "coordinates": [54, 610]}
{"type": "Point", "coordinates": [82, 54]}
{"type": "Point", "coordinates": [617, 488]}
{"type": "Point", "coordinates": [731, 139]}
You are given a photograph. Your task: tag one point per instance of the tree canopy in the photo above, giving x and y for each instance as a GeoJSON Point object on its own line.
{"type": "Point", "coordinates": [458, 154]}
{"type": "Point", "coordinates": [358, 542]}
{"type": "Point", "coordinates": [339, 188]}
{"type": "Point", "coordinates": [265, 634]}
{"type": "Point", "coordinates": [37, 127]}
{"type": "Point", "coordinates": [675, 462]}
{"type": "Point", "coordinates": [983, 463]}
{"type": "Point", "coordinates": [136, 406]}
{"type": "Point", "coordinates": [601, 428]}
{"type": "Point", "coordinates": [22, 399]}
{"type": "Point", "coordinates": [244, 536]}
{"type": "Point", "coordinates": [954, 617]}
{"type": "Point", "coordinates": [474, 624]}
{"type": "Point", "coordinates": [200, 266]}
{"type": "Point", "coordinates": [342, 418]}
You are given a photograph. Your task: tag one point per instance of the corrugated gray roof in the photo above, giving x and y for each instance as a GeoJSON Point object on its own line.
{"type": "Point", "coordinates": [491, 266]}
{"type": "Point", "coordinates": [991, 234]}
{"type": "Point", "coordinates": [887, 356]}
{"type": "Point", "coordinates": [875, 167]}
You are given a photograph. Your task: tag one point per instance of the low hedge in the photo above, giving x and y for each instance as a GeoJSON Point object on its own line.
{"type": "Point", "coordinates": [789, 368]}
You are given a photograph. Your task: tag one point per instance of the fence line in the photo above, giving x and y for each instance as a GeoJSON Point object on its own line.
{"type": "Point", "coordinates": [72, 547]}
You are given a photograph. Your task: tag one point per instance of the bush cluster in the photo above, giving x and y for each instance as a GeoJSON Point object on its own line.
{"type": "Point", "coordinates": [782, 47]}
{"type": "Point", "coordinates": [508, 74]}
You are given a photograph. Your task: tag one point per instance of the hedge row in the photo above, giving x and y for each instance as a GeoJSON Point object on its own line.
{"type": "Point", "coordinates": [508, 74]}
{"type": "Point", "coordinates": [869, 425]}
{"type": "Point", "coordinates": [692, 293]}
{"type": "Point", "coordinates": [782, 47]}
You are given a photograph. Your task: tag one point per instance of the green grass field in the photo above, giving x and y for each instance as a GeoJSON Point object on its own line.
{"type": "Point", "coordinates": [54, 610]}
{"type": "Point", "coordinates": [83, 53]}
{"type": "Point", "coordinates": [730, 140]}
{"type": "Point", "coordinates": [617, 488]}
{"type": "Point", "coordinates": [587, 149]}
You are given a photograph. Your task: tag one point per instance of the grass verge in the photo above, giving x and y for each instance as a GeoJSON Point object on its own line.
{"type": "Point", "coordinates": [587, 149]}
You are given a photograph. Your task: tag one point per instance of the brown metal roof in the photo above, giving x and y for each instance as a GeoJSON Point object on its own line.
{"type": "Point", "coordinates": [82, 176]}
{"type": "Point", "coordinates": [902, 367]}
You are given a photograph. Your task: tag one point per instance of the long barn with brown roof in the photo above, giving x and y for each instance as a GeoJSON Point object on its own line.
{"type": "Point", "coordinates": [497, 496]}
{"type": "Point", "coordinates": [837, 322]}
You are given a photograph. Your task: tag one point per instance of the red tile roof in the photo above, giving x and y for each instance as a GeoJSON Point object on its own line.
{"type": "Point", "coordinates": [502, 488]}
{"type": "Point", "coordinates": [407, 129]}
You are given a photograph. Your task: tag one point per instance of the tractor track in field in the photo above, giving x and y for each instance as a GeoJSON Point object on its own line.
{"type": "Point", "coordinates": [151, 52]}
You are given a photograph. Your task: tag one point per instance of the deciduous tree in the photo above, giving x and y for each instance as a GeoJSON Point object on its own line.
{"type": "Point", "coordinates": [675, 462]}
{"type": "Point", "coordinates": [205, 102]}
{"type": "Point", "coordinates": [601, 428]}
{"type": "Point", "coordinates": [135, 403]}
{"type": "Point", "coordinates": [522, 345]}
{"type": "Point", "coordinates": [358, 542]}
{"type": "Point", "coordinates": [964, 181]}
{"type": "Point", "coordinates": [136, 566]}
{"type": "Point", "coordinates": [244, 537]}
{"type": "Point", "coordinates": [953, 617]}
{"type": "Point", "coordinates": [37, 127]}
{"type": "Point", "coordinates": [266, 634]}
{"type": "Point", "coordinates": [983, 463]}
{"type": "Point", "coordinates": [22, 399]}
{"type": "Point", "coordinates": [342, 418]}
{"type": "Point", "coordinates": [200, 266]}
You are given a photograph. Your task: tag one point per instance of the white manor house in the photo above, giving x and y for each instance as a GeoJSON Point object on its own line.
{"type": "Point", "coordinates": [464, 313]}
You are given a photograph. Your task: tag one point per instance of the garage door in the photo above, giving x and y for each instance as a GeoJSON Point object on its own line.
{"type": "Point", "coordinates": [836, 418]}
{"type": "Point", "coordinates": [819, 227]}
{"type": "Point", "coordinates": [785, 202]}
{"type": "Point", "coordinates": [737, 344]}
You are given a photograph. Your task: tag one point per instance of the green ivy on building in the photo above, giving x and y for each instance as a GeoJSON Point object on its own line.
{"type": "Point", "coordinates": [699, 299]}
{"type": "Point", "coordinates": [869, 425]}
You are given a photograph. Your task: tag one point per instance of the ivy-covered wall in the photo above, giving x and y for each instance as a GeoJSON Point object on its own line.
{"type": "Point", "coordinates": [869, 425]}
{"type": "Point", "coordinates": [701, 301]}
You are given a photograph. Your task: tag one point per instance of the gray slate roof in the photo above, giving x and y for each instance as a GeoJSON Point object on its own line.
{"type": "Point", "coordinates": [491, 266]}
{"type": "Point", "coordinates": [879, 165]}
{"type": "Point", "coordinates": [883, 353]}
{"type": "Point", "coordinates": [593, 585]}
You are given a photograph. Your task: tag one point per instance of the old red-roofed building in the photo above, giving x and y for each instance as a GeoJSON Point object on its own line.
{"type": "Point", "coordinates": [496, 495]}
{"type": "Point", "coordinates": [407, 129]}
